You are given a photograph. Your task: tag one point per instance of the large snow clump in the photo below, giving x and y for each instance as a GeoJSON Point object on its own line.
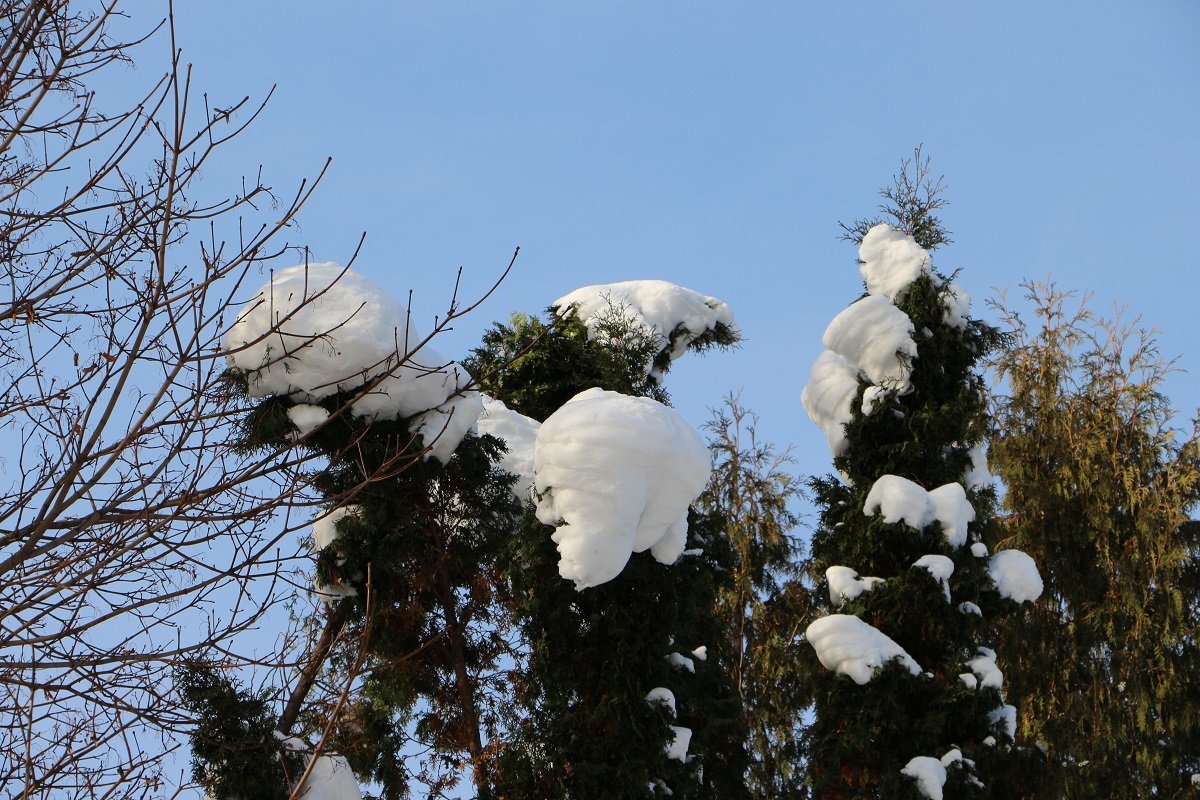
{"type": "Point", "coordinates": [673, 315]}
{"type": "Point", "coordinates": [847, 645]}
{"type": "Point", "coordinates": [898, 499]}
{"type": "Point", "coordinates": [519, 433]}
{"type": "Point", "coordinates": [1015, 575]}
{"type": "Point", "coordinates": [616, 475]}
{"type": "Point", "coordinates": [318, 329]}
{"type": "Point", "coordinates": [890, 261]}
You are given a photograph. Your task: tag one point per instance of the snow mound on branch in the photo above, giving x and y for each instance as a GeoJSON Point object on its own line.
{"type": "Point", "coordinates": [828, 396]}
{"type": "Point", "coordinates": [325, 533]}
{"type": "Point", "coordinates": [847, 645]}
{"type": "Point", "coordinates": [616, 475]}
{"type": "Point", "coordinates": [957, 305]}
{"type": "Point", "coordinates": [898, 499]}
{"type": "Point", "coordinates": [1008, 715]}
{"type": "Point", "coordinates": [930, 774]}
{"type": "Point", "coordinates": [844, 584]}
{"type": "Point", "coordinates": [330, 779]}
{"type": "Point", "coordinates": [1015, 575]}
{"type": "Point", "coordinates": [985, 669]}
{"type": "Point", "coordinates": [978, 476]}
{"type": "Point", "coordinates": [318, 329]}
{"type": "Point", "coordinates": [663, 696]}
{"type": "Point", "coordinates": [940, 567]}
{"type": "Point", "coordinates": [307, 418]}
{"type": "Point", "coordinates": [519, 433]}
{"type": "Point", "coordinates": [681, 738]}
{"type": "Point", "coordinates": [875, 335]}
{"type": "Point", "coordinates": [673, 315]}
{"type": "Point", "coordinates": [891, 261]}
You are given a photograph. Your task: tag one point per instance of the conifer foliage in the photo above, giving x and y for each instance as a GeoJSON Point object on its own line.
{"type": "Point", "coordinates": [908, 696]}
{"type": "Point", "coordinates": [1100, 488]}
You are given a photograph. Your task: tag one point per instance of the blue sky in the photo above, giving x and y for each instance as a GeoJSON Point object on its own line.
{"type": "Point", "coordinates": [717, 145]}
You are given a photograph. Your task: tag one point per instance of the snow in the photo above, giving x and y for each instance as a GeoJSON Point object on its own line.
{"type": "Point", "coordinates": [957, 304]}
{"type": "Point", "coordinates": [1015, 575]}
{"type": "Point", "coordinates": [898, 499]}
{"type": "Point", "coordinates": [940, 567]}
{"type": "Point", "coordinates": [330, 779]}
{"type": "Point", "coordinates": [967, 607]}
{"type": "Point", "coordinates": [1008, 715]}
{"type": "Point", "coordinates": [318, 329]}
{"type": "Point", "coordinates": [519, 433]}
{"type": "Point", "coordinates": [680, 661]}
{"type": "Point", "coordinates": [985, 669]}
{"type": "Point", "coordinates": [978, 476]}
{"type": "Point", "coordinates": [616, 475]}
{"type": "Point", "coordinates": [700, 653]}
{"type": "Point", "coordinates": [847, 645]}
{"type": "Point", "coordinates": [979, 550]}
{"type": "Point", "coordinates": [844, 584]}
{"type": "Point", "coordinates": [953, 510]}
{"type": "Point", "coordinates": [929, 773]}
{"type": "Point", "coordinates": [677, 748]}
{"type": "Point", "coordinates": [870, 333]}
{"type": "Point", "coordinates": [891, 261]}
{"type": "Point", "coordinates": [660, 695]}
{"type": "Point", "coordinates": [325, 533]}
{"type": "Point", "coordinates": [307, 418]}
{"type": "Point", "coordinates": [660, 308]}
{"type": "Point", "coordinates": [828, 396]}
{"type": "Point", "coordinates": [970, 680]}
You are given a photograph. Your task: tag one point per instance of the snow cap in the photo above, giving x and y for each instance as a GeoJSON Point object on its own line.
{"type": "Point", "coordinates": [891, 261]}
{"type": "Point", "coordinates": [847, 645]}
{"type": "Point", "coordinates": [1015, 575]}
{"type": "Point", "coordinates": [673, 315]}
{"type": "Point", "coordinates": [318, 329]}
{"type": "Point", "coordinates": [616, 475]}
{"type": "Point", "coordinates": [519, 433]}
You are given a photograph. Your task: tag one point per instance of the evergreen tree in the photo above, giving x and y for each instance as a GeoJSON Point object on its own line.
{"type": "Point", "coordinates": [595, 654]}
{"type": "Point", "coordinates": [762, 604]}
{"type": "Point", "coordinates": [908, 699]}
{"type": "Point", "coordinates": [1099, 489]}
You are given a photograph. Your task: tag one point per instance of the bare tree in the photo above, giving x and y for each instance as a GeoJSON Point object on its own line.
{"type": "Point", "coordinates": [130, 537]}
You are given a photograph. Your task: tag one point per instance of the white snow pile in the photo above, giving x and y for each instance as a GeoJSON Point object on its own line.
{"type": "Point", "coordinates": [844, 584]}
{"type": "Point", "coordinates": [930, 774]}
{"type": "Point", "coordinates": [519, 433]}
{"type": "Point", "coordinates": [615, 475]}
{"type": "Point", "coordinates": [307, 418]}
{"type": "Point", "coordinates": [957, 303]}
{"type": "Point", "coordinates": [1015, 575]}
{"type": "Point", "coordinates": [899, 499]}
{"type": "Point", "coordinates": [967, 607]}
{"type": "Point", "coordinates": [847, 645]}
{"type": "Point", "coordinates": [680, 661]}
{"type": "Point", "coordinates": [1008, 715]}
{"type": "Point", "coordinates": [872, 339]}
{"type": "Point", "coordinates": [681, 737]}
{"type": "Point", "coordinates": [325, 533]}
{"type": "Point", "coordinates": [318, 329]}
{"type": "Point", "coordinates": [330, 777]}
{"type": "Point", "coordinates": [890, 261]}
{"type": "Point", "coordinates": [978, 476]}
{"type": "Point", "coordinates": [985, 669]}
{"type": "Point", "coordinates": [940, 567]}
{"type": "Point", "coordinates": [673, 315]}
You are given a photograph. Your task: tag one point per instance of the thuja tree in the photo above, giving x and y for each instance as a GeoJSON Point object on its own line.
{"type": "Point", "coordinates": [762, 603]}
{"type": "Point", "coordinates": [1100, 488]}
{"type": "Point", "coordinates": [596, 652]}
{"type": "Point", "coordinates": [907, 696]}
{"type": "Point", "coordinates": [412, 514]}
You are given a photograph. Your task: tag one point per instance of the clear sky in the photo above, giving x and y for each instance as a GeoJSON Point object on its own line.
{"type": "Point", "coordinates": [717, 145]}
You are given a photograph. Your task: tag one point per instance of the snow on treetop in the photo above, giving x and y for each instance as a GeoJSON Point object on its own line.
{"type": "Point", "coordinates": [891, 261]}
{"type": "Point", "coordinates": [318, 329]}
{"type": "Point", "coordinates": [519, 433]}
{"type": "Point", "coordinates": [1015, 575]}
{"type": "Point", "coordinates": [847, 645]}
{"type": "Point", "coordinates": [675, 316]}
{"type": "Point", "coordinates": [330, 779]}
{"type": "Point", "coordinates": [899, 499]}
{"type": "Point", "coordinates": [616, 475]}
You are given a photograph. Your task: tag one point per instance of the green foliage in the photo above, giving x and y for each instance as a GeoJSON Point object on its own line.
{"type": "Point", "coordinates": [1099, 489]}
{"type": "Point", "coordinates": [761, 603]}
{"type": "Point", "coordinates": [234, 751]}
